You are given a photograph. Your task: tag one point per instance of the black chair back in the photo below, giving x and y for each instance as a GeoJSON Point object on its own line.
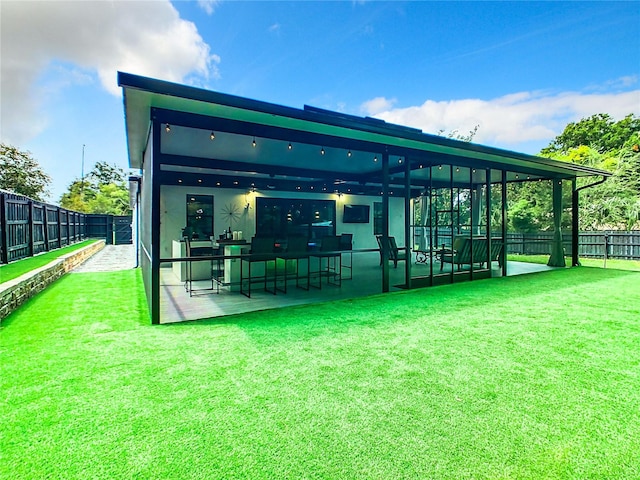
{"type": "Point", "coordinates": [262, 245]}
{"type": "Point", "coordinates": [297, 245]}
{"type": "Point", "coordinates": [330, 244]}
{"type": "Point", "coordinates": [346, 241]}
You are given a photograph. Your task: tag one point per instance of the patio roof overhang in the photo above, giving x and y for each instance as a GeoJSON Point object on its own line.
{"type": "Point", "coordinates": [273, 147]}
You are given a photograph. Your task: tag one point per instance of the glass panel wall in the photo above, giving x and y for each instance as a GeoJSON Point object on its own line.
{"type": "Point", "coordinates": [450, 229]}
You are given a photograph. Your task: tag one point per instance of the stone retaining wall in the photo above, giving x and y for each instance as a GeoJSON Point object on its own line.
{"type": "Point", "coordinates": [17, 291]}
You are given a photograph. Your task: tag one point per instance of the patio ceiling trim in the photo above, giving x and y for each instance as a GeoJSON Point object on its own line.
{"type": "Point", "coordinates": [141, 94]}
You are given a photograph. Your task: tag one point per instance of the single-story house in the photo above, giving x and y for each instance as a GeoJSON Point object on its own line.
{"type": "Point", "coordinates": [238, 199]}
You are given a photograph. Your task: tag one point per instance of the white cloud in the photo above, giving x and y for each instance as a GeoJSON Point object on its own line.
{"type": "Point", "coordinates": [94, 38]}
{"type": "Point", "coordinates": [275, 28]}
{"type": "Point", "coordinates": [510, 120]}
{"type": "Point", "coordinates": [377, 105]}
{"type": "Point", "coordinates": [208, 5]}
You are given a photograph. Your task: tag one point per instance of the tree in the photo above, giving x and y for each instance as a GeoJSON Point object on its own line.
{"type": "Point", "coordinates": [104, 190]}
{"type": "Point", "coordinates": [601, 142]}
{"type": "Point", "coordinates": [456, 135]}
{"type": "Point", "coordinates": [599, 132]}
{"type": "Point", "coordinates": [20, 173]}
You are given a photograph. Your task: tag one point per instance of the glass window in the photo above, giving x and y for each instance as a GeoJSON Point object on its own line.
{"type": "Point", "coordinates": [200, 216]}
{"type": "Point", "coordinates": [285, 217]}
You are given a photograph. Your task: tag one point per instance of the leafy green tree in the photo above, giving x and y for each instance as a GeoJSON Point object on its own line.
{"type": "Point", "coordinates": [599, 132]}
{"type": "Point", "coordinates": [601, 142]}
{"type": "Point", "coordinates": [20, 173]}
{"type": "Point", "coordinates": [104, 190]}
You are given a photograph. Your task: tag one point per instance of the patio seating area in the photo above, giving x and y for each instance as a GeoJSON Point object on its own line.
{"type": "Point", "coordinates": [366, 276]}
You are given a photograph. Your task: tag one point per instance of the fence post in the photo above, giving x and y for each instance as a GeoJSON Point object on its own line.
{"type": "Point", "coordinates": [4, 230]}
{"type": "Point", "coordinates": [606, 249]}
{"type": "Point", "coordinates": [30, 228]}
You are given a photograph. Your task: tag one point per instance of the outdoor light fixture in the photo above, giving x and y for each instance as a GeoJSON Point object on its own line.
{"type": "Point", "coordinates": [400, 160]}
{"type": "Point", "coordinates": [179, 180]}
{"type": "Point", "coordinates": [199, 180]}
{"type": "Point", "coordinates": [212, 136]}
{"type": "Point", "coordinates": [517, 176]}
{"type": "Point", "coordinates": [167, 128]}
{"type": "Point", "coordinates": [254, 142]}
{"type": "Point", "coordinates": [375, 159]}
{"type": "Point", "coordinates": [290, 146]}
{"type": "Point", "coordinates": [349, 153]}
{"type": "Point", "coordinates": [457, 169]}
{"type": "Point", "coordinates": [439, 167]}
{"type": "Point", "coordinates": [322, 151]}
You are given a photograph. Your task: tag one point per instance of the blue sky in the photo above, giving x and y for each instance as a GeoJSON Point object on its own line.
{"type": "Point", "coordinates": [519, 70]}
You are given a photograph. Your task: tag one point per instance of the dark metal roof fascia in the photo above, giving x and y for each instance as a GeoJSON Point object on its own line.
{"type": "Point", "coordinates": [313, 114]}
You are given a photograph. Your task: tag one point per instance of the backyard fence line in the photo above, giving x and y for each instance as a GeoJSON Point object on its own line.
{"type": "Point", "coordinates": [29, 227]}
{"type": "Point", "coordinates": [623, 245]}
{"type": "Point", "coordinates": [591, 244]}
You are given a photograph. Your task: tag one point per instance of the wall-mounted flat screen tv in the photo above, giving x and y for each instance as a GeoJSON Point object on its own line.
{"type": "Point", "coordinates": [356, 214]}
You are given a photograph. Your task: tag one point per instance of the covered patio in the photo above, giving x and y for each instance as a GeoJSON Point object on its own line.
{"type": "Point", "coordinates": [401, 208]}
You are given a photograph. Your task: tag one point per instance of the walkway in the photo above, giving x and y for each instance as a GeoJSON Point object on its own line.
{"type": "Point", "coordinates": [109, 259]}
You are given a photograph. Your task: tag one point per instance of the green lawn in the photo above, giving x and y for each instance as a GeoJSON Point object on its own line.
{"type": "Point", "coordinates": [20, 267]}
{"type": "Point", "coordinates": [586, 262]}
{"type": "Point", "coordinates": [529, 377]}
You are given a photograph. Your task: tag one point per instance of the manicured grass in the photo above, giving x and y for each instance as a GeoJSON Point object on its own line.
{"type": "Point", "coordinates": [20, 267]}
{"type": "Point", "coordinates": [614, 263]}
{"type": "Point", "coordinates": [528, 377]}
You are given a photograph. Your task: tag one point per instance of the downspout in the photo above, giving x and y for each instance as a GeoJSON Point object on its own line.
{"type": "Point", "coordinates": [575, 261]}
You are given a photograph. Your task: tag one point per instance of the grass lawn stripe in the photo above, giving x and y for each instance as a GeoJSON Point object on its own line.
{"type": "Point", "coordinates": [20, 267]}
{"type": "Point", "coordinates": [534, 376]}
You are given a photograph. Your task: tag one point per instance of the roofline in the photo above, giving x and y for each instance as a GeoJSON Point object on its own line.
{"type": "Point", "coordinates": [327, 117]}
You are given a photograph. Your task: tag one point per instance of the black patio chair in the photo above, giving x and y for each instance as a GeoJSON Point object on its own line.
{"type": "Point", "coordinates": [395, 255]}
{"type": "Point", "coordinates": [192, 252]}
{"type": "Point", "coordinates": [295, 253]}
{"type": "Point", "coordinates": [329, 252]}
{"type": "Point", "coordinates": [262, 251]}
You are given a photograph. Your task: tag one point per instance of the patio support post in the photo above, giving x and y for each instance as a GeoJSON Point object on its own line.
{"type": "Point", "coordinates": [154, 308]}
{"type": "Point", "coordinates": [452, 216]}
{"type": "Point", "coordinates": [487, 205]}
{"type": "Point", "coordinates": [504, 223]}
{"type": "Point", "coordinates": [557, 251]}
{"type": "Point", "coordinates": [408, 238]}
{"type": "Point", "coordinates": [575, 224]}
{"type": "Point", "coordinates": [385, 221]}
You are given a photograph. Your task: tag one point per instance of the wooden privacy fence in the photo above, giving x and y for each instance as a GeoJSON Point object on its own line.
{"type": "Point", "coordinates": [29, 227]}
{"type": "Point", "coordinates": [609, 244]}
{"type": "Point", "coordinates": [593, 244]}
